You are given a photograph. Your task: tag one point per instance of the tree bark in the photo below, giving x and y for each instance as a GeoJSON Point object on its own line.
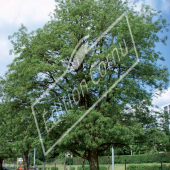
{"type": "Point", "coordinates": [1, 161]}
{"type": "Point", "coordinates": [83, 164]}
{"type": "Point", "coordinates": [25, 160]}
{"type": "Point", "coordinates": [93, 160]}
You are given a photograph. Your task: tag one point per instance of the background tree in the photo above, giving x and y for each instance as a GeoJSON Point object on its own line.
{"type": "Point", "coordinates": [7, 149]}
{"type": "Point", "coordinates": [6, 145]}
{"type": "Point", "coordinates": [18, 124]}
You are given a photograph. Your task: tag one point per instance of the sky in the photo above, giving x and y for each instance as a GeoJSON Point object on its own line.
{"type": "Point", "coordinates": [34, 14]}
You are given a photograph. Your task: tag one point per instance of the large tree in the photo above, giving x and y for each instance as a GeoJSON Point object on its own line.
{"type": "Point", "coordinates": [122, 117]}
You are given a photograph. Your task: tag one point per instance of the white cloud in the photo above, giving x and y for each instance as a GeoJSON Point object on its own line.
{"type": "Point", "coordinates": [163, 99]}
{"type": "Point", "coordinates": [152, 3]}
{"type": "Point", "coordinates": [25, 11]}
{"type": "Point", "coordinates": [33, 14]}
{"type": "Point", "coordinates": [138, 5]}
{"type": "Point", "coordinates": [163, 5]}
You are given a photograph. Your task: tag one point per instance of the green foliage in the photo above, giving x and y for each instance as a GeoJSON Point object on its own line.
{"type": "Point", "coordinates": [144, 158]}
{"type": "Point", "coordinates": [61, 155]}
{"type": "Point", "coordinates": [102, 167]}
{"type": "Point", "coordinates": [53, 168]}
{"type": "Point", "coordinates": [72, 168]}
{"type": "Point", "coordinates": [39, 154]}
{"type": "Point", "coordinates": [38, 162]}
{"type": "Point", "coordinates": [69, 161]}
{"type": "Point", "coordinates": [47, 168]}
{"type": "Point", "coordinates": [85, 168]}
{"type": "Point", "coordinates": [7, 147]}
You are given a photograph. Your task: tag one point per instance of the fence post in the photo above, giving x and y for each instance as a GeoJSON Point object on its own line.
{"type": "Point", "coordinates": [34, 157]}
{"type": "Point", "coordinates": [112, 158]}
{"type": "Point", "coordinates": [65, 162]}
{"type": "Point", "coordinates": [125, 164]}
{"type": "Point", "coordinates": [161, 164]}
{"type": "Point", "coordinates": [69, 165]}
{"type": "Point", "coordinates": [55, 166]}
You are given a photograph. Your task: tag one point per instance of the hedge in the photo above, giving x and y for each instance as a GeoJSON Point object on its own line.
{"type": "Point", "coordinates": [79, 161]}
{"type": "Point", "coordinates": [53, 168]}
{"type": "Point", "coordinates": [147, 167]}
{"type": "Point", "coordinates": [87, 168]}
{"type": "Point", "coordinates": [130, 159]}
{"type": "Point", "coordinates": [72, 168]}
{"type": "Point", "coordinates": [47, 168]}
{"type": "Point", "coordinates": [144, 158]}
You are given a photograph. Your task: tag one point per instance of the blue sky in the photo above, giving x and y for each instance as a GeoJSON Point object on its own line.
{"type": "Point", "coordinates": [164, 6]}
{"type": "Point", "coordinates": [34, 14]}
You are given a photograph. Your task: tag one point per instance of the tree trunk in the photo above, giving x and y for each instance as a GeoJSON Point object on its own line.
{"type": "Point", "coordinates": [83, 164]}
{"type": "Point", "coordinates": [65, 163]}
{"type": "Point", "coordinates": [25, 160]}
{"type": "Point", "coordinates": [93, 160]}
{"type": "Point", "coordinates": [1, 161]}
{"type": "Point", "coordinates": [108, 163]}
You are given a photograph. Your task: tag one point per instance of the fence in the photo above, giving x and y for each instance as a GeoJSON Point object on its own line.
{"type": "Point", "coordinates": [76, 165]}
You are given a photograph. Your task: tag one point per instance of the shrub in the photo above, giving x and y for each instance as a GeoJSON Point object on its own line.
{"type": "Point", "coordinates": [38, 162]}
{"type": "Point", "coordinates": [53, 168]}
{"type": "Point", "coordinates": [102, 167]}
{"type": "Point", "coordinates": [69, 161]}
{"type": "Point", "coordinates": [47, 168]}
{"type": "Point", "coordinates": [72, 168]}
{"type": "Point", "coordinates": [144, 158]}
{"type": "Point", "coordinates": [87, 168]}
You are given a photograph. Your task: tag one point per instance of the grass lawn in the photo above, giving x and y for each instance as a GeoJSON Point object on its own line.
{"type": "Point", "coordinates": [116, 167]}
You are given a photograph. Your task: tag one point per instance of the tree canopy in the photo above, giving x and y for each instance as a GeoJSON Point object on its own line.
{"type": "Point", "coordinates": [122, 117]}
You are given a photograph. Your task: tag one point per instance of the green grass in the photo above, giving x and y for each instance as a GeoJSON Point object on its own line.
{"type": "Point", "coordinates": [116, 167]}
